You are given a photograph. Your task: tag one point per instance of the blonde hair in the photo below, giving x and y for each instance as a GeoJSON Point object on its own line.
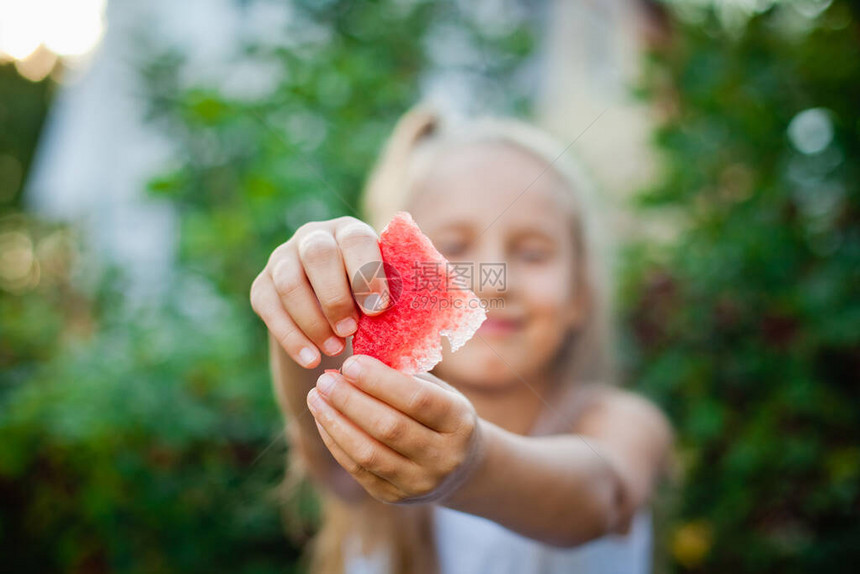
{"type": "Point", "coordinates": [584, 357]}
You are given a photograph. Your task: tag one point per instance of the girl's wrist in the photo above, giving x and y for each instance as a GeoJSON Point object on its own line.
{"type": "Point", "coordinates": [471, 477]}
{"type": "Point", "coordinates": [462, 478]}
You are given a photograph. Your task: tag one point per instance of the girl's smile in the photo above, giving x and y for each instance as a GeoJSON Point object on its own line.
{"type": "Point", "coordinates": [496, 326]}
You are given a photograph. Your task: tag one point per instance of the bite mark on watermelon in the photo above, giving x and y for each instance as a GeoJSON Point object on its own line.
{"type": "Point", "coordinates": [407, 336]}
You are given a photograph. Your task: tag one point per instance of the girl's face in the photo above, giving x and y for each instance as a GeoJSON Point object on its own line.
{"type": "Point", "coordinates": [485, 206]}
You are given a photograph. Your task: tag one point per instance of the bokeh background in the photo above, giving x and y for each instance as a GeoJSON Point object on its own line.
{"type": "Point", "coordinates": [153, 154]}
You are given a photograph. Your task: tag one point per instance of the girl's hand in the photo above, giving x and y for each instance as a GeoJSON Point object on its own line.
{"type": "Point", "coordinates": [404, 439]}
{"type": "Point", "coordinates": [305, 293]}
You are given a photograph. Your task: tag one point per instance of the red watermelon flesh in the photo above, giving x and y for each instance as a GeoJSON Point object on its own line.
{"type": "Point", "coordinates": [425, 307]}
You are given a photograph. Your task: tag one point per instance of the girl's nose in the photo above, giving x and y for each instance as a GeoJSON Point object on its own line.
{"type": "Point", "coordinates": [491, 277]}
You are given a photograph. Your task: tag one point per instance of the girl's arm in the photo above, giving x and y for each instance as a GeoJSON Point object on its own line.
{"type": "Point", "coordinates": [568, 489]}
{"type": "Point", "coordinates": [291, 385]}
{"type": "Point", "coordinates": [407, 439]}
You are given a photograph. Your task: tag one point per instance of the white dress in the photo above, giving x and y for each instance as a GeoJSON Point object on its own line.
{"type": "Point", "coordinates": [469, 544]}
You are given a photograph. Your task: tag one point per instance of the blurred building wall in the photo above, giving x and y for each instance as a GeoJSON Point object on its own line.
{"type": "Point", "coordinates": [592, 60]}
{"type": "Point", "coordinates": [97, 152]}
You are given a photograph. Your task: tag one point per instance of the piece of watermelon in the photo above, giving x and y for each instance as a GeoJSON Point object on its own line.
{"type": "Point", "coordinates": [425, 307]}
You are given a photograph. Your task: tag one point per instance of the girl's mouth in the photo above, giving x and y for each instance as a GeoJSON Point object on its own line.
{"type": "Point", "coordinates": [496, 326]}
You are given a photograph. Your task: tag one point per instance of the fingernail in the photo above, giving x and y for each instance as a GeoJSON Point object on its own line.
{"type": "Point", "coordinates": [313, 399]}
{"type": "Point", "coordinates": [326, 383]}
{"type": "Point", "coordinates": [332, 345]}
{"type": "Point", "coordinates": [352, 368]}
{"type": "Point", "coordinates": [307, 356]}
{"type": "Point", "coordinates": [371, 303]}
{"type": "Point", "coordinates": [346, 327]}
{"type": "Point", "coordinates": [377, 302]}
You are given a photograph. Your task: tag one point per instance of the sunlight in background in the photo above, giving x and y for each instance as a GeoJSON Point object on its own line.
{"type": "Point", "coordinates": [34, 33]}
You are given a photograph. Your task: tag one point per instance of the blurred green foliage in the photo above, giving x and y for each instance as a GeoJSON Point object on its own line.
{"type": "Point", "coordinates": [23, 105]}
{"type": "Point", "coordinates": [746, 326]}
{"type": "Point", "coordinates": [138, 450]}
{"type": "Point", "coordinates": [141, 437]}
{"type": "Point", "coordinates": [29, 331]}
{"type": "Point", "coordinates": [252, 170]}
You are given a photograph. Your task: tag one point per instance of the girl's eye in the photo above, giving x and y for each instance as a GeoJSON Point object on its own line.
{"type": "Point", "coordinates": [452, 248]}
{"type": "Point", "coordinates": [533, 254]}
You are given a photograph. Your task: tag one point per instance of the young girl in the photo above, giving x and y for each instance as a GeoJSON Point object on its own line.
{"type": "Point", "coordinates": [517, 455]}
